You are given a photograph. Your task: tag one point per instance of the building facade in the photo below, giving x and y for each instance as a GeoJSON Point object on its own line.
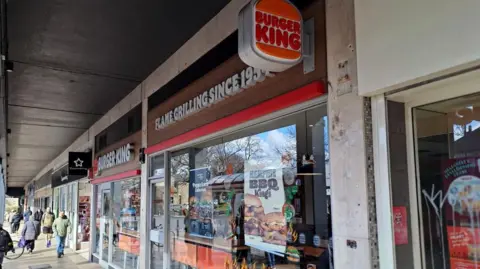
{"type": "Point", "coordinates": [361, 155]}
{"type": "Point", "coordinates": [421, 73]}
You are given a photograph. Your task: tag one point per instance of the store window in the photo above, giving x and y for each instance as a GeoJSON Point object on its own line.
{"type": "Point", "coordinates": [257, 198]}
{"type": "Point", "coordinates": [125, 223]}
{"type": "Point", "coordinates": [448, 153]}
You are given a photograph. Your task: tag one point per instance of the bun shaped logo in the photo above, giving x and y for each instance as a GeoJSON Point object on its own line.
{"type": "Point", "coordinates": [270, 35]}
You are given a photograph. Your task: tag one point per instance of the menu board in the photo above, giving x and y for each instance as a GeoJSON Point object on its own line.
{"type": "Point", "coordinates": [462, 211]}
{"type": "Point", "coordinates": [200, 204]}
{"type": "Point", "coordinates": [265, 224]}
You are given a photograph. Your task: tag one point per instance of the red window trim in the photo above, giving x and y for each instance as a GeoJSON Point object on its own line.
{"type": "Point", "coordinates": [300, 95]}
{"type": "Point", "coordinates": [119, 176]}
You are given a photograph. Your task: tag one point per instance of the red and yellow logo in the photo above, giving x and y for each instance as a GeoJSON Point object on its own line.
{"type": "Point", "coordinates": [278, 29]}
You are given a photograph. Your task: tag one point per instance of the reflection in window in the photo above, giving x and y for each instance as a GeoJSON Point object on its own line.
{"type": "Point", "coordinates": [255, 201]}
{"type": "Point", "coordinates": [448, 138]}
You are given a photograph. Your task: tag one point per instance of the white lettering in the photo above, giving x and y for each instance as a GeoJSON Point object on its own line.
{"type": "Point", "coordinates": [115, 157]}
{"type": "Point", "coordinates": [229, 87]}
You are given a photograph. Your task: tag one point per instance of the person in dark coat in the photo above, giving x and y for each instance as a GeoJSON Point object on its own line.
{"type": "Point", "coordinates": [16, 219]}
{"type": "Point", "coordinates": [37, 218]}
{"type": "Point", "coordinates": [30, 234]}
{"type": "Point", "coordinates": [6, 244]}
{"type": "Point", "coordinates": [38, 215]}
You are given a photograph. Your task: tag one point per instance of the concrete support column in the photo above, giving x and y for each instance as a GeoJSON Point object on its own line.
{"type": "Point", "coordinates": [144, 191]}
{"type": "Point", "coordinates": [351, 155]}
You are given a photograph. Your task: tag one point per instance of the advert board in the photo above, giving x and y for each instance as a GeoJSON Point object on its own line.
{"type": "Point", "coordinates": [200, 204]}
{"type": "Point", "coordinates": [265, 224]}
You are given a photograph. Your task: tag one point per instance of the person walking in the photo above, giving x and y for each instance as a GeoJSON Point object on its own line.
{"type": "Point", "coordinates": [37, 218]}
{"type": "Point", "coordinates": [16, 219]}
{"type": "Point", "coordinates": [27, 214]}
{"type": "Point", "coordinates": [30, 234]}
{"type": "Point", "coordinates": [10, 217]}
{"type": "Point", "coordinates": [47, 221]}
{"type": "Point", "coordinates": [6, 244]}
{"type": "Point", "coordinates": [61, 228]}
{"type": "Point", "coordinates": [38, 215]}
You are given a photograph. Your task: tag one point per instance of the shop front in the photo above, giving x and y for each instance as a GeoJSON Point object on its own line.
{"type": "Point", "coordinates": [434, 159]}
{"type": "Point", "coordinates": [66, 198]}
{"type": "Point", "coordinates": [115, 214]}
{"type": "Point", "coordinates": [239, 167]}
{"type": "Point", "coordinates": [43, 194]}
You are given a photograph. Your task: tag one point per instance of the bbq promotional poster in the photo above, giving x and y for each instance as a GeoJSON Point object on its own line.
{"type": "Point", "coordinates": [265, 224]}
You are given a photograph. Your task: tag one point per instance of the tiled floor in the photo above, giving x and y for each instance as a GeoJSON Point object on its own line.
{"type": "Point", "coordinates": [47, 256]}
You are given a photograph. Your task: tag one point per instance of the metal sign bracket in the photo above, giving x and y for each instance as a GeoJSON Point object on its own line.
{"type": "Point", "coordinates": [308, 46]}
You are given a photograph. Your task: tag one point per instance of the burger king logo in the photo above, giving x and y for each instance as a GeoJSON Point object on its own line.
{"type": "Point", "coordinates": [270, 35]}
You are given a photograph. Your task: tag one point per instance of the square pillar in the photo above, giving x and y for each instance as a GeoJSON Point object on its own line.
{"type": "Point", "coordinates": [351, 151]}
{"type": "Point", "coordinates": [145, 192]}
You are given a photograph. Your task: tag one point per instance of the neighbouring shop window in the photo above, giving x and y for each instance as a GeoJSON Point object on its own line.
{"type": "Point", "coordinates": [255, 199]}
{"type": "Point", "coordinates": [157, 224]}
{"type": "Point", "coordinates": [157, 166]}
{"type": "Point", "coordinates": [448, 152]}
{"type": "Point", "coordinates": [126, 223]}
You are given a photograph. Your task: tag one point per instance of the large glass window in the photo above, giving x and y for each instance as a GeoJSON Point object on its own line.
{"type": "Point", "coordinates": [448, 152]}
{"type": "Point", "coordinates": [157, 224]}
{"type": "Point", "coordinates": [125, 223]}
{"type": "Point", "coordinates": [257, 198]}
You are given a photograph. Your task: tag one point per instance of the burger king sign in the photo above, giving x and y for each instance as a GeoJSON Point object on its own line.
{"type": "Point", "coordinates": [270, 35]}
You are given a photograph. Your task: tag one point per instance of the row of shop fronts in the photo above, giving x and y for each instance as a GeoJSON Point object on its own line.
{"type": "Point", "coordinates": [238, 168]}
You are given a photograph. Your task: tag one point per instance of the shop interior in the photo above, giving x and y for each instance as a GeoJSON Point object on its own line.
{"type": "Point", "coordinates": [448, 149]}
{"type": "Point", "coordinates": [258, 198]}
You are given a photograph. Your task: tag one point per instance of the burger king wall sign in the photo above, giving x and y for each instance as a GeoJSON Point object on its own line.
{"type": "Point", "coordinates": [270, 35]}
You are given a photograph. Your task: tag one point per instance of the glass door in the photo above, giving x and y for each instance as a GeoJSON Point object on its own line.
{"type": "Point", "coordinates": [447, 137]}
{"type": "Point", "coordinates": [157, 195]}
{"type": "Point", "coordinates": [105, 232]}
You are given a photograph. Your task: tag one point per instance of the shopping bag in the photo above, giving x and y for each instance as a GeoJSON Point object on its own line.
{"type": "Point", "coordinates": [21, 242]}
{"type": "Point", "coordinates": [49, 243]}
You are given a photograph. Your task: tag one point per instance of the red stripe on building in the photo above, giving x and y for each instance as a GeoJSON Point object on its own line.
{"type": "Point", "coordinates": [298, 96]}
{"type": "Point", "coordinates": [131, 173]}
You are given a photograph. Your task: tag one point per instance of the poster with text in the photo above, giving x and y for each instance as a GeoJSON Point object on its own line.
{"type": "Point", "coordinates": [264, 224]}
{"type": "Point", "coordinates": [462, 191]}
{"type": "Point", "coordinates": [464, 247]}
{"type": "Point", "coordinates": [200, 203]}
{"type": "Point", "coordinates": [400, 225]}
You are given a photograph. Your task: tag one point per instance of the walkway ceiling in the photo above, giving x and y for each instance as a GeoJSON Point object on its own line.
{"type": "Point", "coordinates": [74, 60]}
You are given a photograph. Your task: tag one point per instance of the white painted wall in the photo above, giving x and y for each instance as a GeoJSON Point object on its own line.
{"type": "Point", "coordinates": [401, 42]}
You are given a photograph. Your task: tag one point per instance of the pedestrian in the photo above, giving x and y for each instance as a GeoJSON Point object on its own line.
{"type": "Point", "coordinates": [10, 217]}
{"type": "Point", "coordinates": [47, 221]}
{"type": "Point", "coordinates": [16, 219]}
{"type": "Point", "coordinates": [61, 228]}
{"type": "Point", "coordinates": [6, 243]}
{"type": "Point", "coordinates": [29, 233]}
{"type": "Point", "coordinates": [37, 218]}
{"type": "Point", "coordinates": [27, 214]}
{"type": "Point", "coordinates": [38, 215]}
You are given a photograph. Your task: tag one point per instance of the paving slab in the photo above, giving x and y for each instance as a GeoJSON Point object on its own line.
{"type": "Point", "coordinates": [46, 258]}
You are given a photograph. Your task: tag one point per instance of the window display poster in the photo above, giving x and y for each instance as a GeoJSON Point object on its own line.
{"type": "Point", "coordinates": [400, 225]}
{"type": "Point", "coordinates": [200, 203]}
{"type": "Point", "coordinates": [464, 248]}
{"type": "Point", "coordinates": [461, 207]}
{"type": "Point", "coordinates": [265, 224]}
{"type": "Point", "coordinates": [462, 191]}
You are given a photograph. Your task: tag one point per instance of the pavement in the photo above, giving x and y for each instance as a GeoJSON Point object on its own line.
{"type": "Point", "coordinates": [44, 258]}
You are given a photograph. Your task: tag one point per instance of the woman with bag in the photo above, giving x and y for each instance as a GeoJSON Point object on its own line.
{"type": "Point", "coordinates": [47, 222]}
{"type": "Point", "coordinates": [29, 233]}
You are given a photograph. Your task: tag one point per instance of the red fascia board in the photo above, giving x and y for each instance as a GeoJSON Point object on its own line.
{"type": "Point", "coordinates": [298, 96]}
{"type": "Point", "coordinates": [119, 176]}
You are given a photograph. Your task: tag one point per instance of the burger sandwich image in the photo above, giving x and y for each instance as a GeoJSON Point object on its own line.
{"type": "Point", "coordinates": [274, 228]}
{"type": "Point", "coordinates": [254, 213]}
{"type": "Point", "coordinates": [293, 254]}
